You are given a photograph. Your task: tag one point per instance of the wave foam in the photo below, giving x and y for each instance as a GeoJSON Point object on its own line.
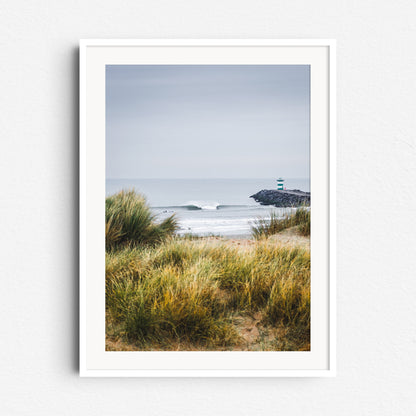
{"type": "Point", "coordinates": [205, 205]}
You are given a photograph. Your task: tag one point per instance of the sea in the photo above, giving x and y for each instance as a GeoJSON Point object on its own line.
{"type": "Point", "coordinates": [203, 207]}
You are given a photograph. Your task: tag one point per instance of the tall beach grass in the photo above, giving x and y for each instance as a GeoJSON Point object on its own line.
{"type": "Point", "coordinates": [265, 227]}
{"type": "Point", "coordinates": [165, 292]}
{"type": "Point", "coordinates": [189, 293]}
{"type": "Point", "coordinates": [129, 222]}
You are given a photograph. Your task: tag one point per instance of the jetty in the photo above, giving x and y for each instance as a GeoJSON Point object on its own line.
{"type": "Point", "coordinates": [283, 198]}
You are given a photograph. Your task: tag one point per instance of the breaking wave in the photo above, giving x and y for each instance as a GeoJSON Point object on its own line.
{"type": "Point", "coordinates": [201, 205]}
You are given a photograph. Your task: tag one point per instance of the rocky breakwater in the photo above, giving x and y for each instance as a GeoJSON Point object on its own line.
{"type": "Point", "coordinates": [287, 198]}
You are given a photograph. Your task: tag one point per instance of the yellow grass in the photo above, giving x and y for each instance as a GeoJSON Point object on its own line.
{"type": "Point", "coordinates": [170, 293]}
{"type": "Point", "coordinates": [203, 295]}
{"type": "Point", "coordinates": [265, 227]}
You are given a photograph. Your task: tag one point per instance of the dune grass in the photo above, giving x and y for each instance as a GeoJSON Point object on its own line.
{"type": "Point", "coordinates": [265, 227]}
{"type": "Point", "coordinates": [129, 222]}
{"type": "Point", "coordinates": [165, 292]}
{"type": "Point", "coordinates": [188, 294]}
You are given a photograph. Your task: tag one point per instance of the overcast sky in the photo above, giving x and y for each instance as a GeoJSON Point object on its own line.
{"type": "Point", "coordinates": [207, 121]}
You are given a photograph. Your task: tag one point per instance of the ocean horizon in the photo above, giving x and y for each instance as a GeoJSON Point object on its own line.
{"type": "Point", "coordinates": [220, 206]}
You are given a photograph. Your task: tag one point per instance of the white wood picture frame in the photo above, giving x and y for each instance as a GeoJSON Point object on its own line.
{"type": "Point", "coordinates": [95, 361]}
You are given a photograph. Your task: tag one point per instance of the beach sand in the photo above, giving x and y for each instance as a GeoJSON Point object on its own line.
{"type": "Point", "coordinates": [289, 237]}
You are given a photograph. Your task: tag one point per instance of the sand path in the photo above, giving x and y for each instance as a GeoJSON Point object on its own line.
{"type": "Point", "coordinates": [288, 237]}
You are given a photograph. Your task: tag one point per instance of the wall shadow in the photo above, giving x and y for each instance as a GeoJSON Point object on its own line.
{"type": "Point", "coordinates": [74, 135]}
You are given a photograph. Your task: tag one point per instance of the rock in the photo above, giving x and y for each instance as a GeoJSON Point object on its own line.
{"type": "Point", "coordinates": [287, 198]}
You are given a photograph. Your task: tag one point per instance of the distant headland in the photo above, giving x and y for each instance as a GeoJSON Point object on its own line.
{"type": "Point", "coordinates": [283, 198]}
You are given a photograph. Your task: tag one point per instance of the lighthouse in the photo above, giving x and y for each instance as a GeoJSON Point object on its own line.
{"type": "Point", "coordinates": [280, 184]}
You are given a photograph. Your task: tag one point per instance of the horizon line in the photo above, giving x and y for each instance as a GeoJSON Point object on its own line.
{"type": "Point", "coordinates": [195, 178]}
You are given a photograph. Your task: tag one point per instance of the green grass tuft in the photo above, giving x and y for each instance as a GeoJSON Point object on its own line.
{"type": "Point", "coordinates": [129, 222]}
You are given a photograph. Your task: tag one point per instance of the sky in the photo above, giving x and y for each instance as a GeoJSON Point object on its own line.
{"type": "Point", "coordinates": [207, 121]}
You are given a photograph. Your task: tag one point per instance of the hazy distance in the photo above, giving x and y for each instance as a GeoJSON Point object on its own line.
{"type": "Point", "coordinates": [207, 121]}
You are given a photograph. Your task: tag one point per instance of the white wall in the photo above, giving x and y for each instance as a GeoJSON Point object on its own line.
{"type": "Point", "coordinates": [376, 203]}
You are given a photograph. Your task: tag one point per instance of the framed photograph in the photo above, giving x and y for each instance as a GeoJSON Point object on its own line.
{"type": "Point", "coordinates": [207, 208]}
